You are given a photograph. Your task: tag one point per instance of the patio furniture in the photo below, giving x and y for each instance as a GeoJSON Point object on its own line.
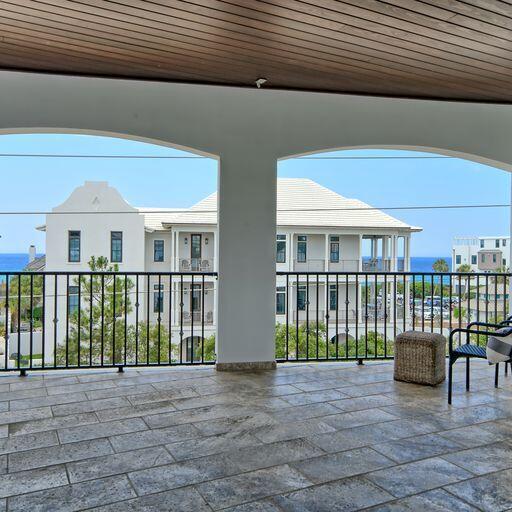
{"type": "Point", "coordinates": [470, 350]}
{"type": "Point", "coordinates": [420, 358]}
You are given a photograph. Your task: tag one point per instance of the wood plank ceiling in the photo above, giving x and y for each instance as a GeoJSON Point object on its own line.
{"type": "Point", "coordinates": [447, 49]}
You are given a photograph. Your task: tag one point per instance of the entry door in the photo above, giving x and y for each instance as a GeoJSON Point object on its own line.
{"type": "Point", "coordinates": [195, 251]}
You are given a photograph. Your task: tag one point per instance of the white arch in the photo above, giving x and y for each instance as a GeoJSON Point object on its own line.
{"type": "Point", "coordinates": [423, 149]}
{"type": "Point", "coordinates": [101, 133]}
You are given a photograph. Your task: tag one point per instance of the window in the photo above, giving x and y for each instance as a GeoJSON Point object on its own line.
{"type": "Point", "coordinates": [482, 258]}
{"type": "Point", "coordinates": [482, 244]}
{"type": "Point", "coordinates": [158, 250]}
{"type": "Point", "coordinates": [333, 297]}
{"type": "Point", "coordinates": [195, 251]}
{"type": "Point", "coordinates": [473, 259]}
{"type": "Point", "coordinates": [116, 246]}
{"type": "Point", "coordinates": [504, 242]}
{"type": "Point", "coordinates": [494, 258]}
{"type": "Point", "coordinates": [195, 298]}
{"type": "Point", "coordinates": [458, 259]}
{"type": "Point", "coordinates": [158, 298]}
{"type": "Point", "coordinates": [302, 242]}
{"type": "Point", "coordinates": [73, 300]}
{"type": "Point", "coordinates": [334, 256]}
{"type": "Point", "coordinates": [281, 249]}
{"type": "Point", "coordinates": [301, 298]}
{"type": "Point", "coordinates": [497, 243]}
{"type": "Point", "coordinates": [281, 300]}
{"type": "Point", "coordinates": [74, 246]}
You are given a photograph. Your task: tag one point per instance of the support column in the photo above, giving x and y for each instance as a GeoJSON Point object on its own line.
{"type": "Point", "coordinates": [509, 281]}
{"type": "Point", "coordinates": [246, 261]}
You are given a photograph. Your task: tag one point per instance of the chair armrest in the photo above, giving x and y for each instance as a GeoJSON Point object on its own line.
{"type": "Point", "coordinates": [472, 331]}
{"type": "Point", "coordinates": [485, 324]}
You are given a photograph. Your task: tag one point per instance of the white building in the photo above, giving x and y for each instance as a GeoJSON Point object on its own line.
{"type": "Point", "coordinates": [482, 254]}
{"type": "Point", "coordinates": [318, 231]}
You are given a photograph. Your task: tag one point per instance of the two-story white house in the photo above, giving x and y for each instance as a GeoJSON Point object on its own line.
{"type": "Point", "coordinates": [481, 253]}
{"type": "Point", "coordinates": [318, 231]}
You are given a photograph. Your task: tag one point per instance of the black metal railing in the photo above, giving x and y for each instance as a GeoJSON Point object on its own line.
{"type": "Point", "coordinates": [55, 320]}
{"type": "Point", "coordinates": [357, 315]}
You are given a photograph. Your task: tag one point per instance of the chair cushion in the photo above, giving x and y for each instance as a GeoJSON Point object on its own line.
{"type": "Point", "coordinates": [471, 351]}
{"type": "Point", "coordinates": [499, 348]}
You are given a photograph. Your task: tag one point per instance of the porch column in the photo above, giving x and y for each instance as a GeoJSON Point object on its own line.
{"type": "Point", "coordinates": [246, 261]}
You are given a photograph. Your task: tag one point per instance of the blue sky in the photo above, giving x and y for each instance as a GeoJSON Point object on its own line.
{"type": "Point", "coordinates": [41, 183]}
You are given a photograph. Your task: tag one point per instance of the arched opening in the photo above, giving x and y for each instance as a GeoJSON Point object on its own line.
{"type": "Point", "coordinates": [373, 241]}
{"type": "Point", "coordinates": [121, 265]}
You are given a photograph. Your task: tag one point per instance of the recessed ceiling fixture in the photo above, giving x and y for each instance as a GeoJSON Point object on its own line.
{"type": "Point", "coordinates": [260, 82]}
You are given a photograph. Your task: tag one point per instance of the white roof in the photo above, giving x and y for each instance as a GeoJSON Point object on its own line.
{"type": "Point", "coordinates": [300, 202]}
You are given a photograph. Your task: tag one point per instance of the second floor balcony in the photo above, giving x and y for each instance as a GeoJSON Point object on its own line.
{"type": "Point", "coordinates": [195, 265]}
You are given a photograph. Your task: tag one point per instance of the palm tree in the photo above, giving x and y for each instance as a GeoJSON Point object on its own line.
{"type": "Point", "coordinates": [440, 265]}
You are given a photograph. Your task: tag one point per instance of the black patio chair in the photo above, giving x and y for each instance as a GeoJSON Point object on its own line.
{"type": "Point", "coordinates": [469, 350]}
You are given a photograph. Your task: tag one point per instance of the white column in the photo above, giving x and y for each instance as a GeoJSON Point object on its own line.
{"type": "Point", "coordinates": [394, 258]}
{"type": "Point", "coordinates": [216, 251]}
{"type": "Point", "coordinates": [289, 251]}
{"type": "Point", "coordinates": [360, 262]}
{"type": "Point", "coordinates": [327, 255]}
{"type": "Point", "coordinates": [510, 254]}
{"type": "Point", "coordinates": [246, 248]}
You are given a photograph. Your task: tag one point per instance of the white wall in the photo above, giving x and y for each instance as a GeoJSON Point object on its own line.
{"type": "Point", "coordinates": [249, 129]}
{"type": "Point", "coordinates": [94, 229]}
{"type": "Point", "coordinates": [151, 264]}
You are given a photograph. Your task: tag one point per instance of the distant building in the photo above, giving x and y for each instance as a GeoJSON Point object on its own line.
{"type": "Point", "coordinates": [317, 231]}
{"type": "Point", "coordinates": [482, 254]}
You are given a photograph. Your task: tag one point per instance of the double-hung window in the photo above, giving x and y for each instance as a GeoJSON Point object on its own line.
{"type": "Point", "coordinates": [302, 298]}
{"type": "Point", "coordinates": [73, 300]}
{"type": "Point", "coordinates": [302, 248]}
{"type": "Point", "coordinates": [74, 246]}
{"type": "Point", "coordinates": [281, 249]}
{"type": "Point", "coordinates": [281, 300]}
{"type": "Point", "coordinates": [333, 297]}
{"type": "Point", "coordinates": [473, 259]}
{"type": "Point", "coordinates": [116, 246]}
{"type": "Point", "coordinates": [334, 253]}
{"type": "Point", "coordinates": [158, 250]}
{"type": "Point", "coordinates": [458, 259]}
{"type": "Point", "coordinates": [195, 297]}
{"type": "Point", "coordinates": [158, 298]}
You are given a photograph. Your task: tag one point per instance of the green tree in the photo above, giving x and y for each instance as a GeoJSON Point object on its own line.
{"type": "Point", "coordinates": [25, 299]}
{"type": "Point", "coordinates": [440, 265]}
{"type": "Point", "coordinates": [304, 339]}
{"type": "Point", "coordinates": [99, 322]}
{"type": "Point", "coordinates": [464, 268]}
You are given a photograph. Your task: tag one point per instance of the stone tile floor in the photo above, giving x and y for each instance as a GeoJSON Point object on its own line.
{"type": "Point", "coordinates": [317, 437]}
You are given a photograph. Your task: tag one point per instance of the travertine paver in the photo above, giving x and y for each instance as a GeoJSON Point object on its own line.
{"type": "Point", "coordinates": [325, 437]}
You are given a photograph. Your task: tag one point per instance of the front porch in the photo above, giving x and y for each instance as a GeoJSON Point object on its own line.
{"type": "Point", "coordinates": [328, 436]}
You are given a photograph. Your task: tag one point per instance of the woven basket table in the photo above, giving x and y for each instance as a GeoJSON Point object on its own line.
{"type": "Point", "coordinates": [420, 357]}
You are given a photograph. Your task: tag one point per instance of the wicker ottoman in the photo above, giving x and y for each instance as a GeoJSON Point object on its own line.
{"type": "Point", "coordinates": [420, 357]}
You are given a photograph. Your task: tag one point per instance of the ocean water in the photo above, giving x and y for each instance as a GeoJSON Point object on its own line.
{"type": "Point", "coordinates": [424, 263]}
{"type": "Point", "coordinates": [13, 262]}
